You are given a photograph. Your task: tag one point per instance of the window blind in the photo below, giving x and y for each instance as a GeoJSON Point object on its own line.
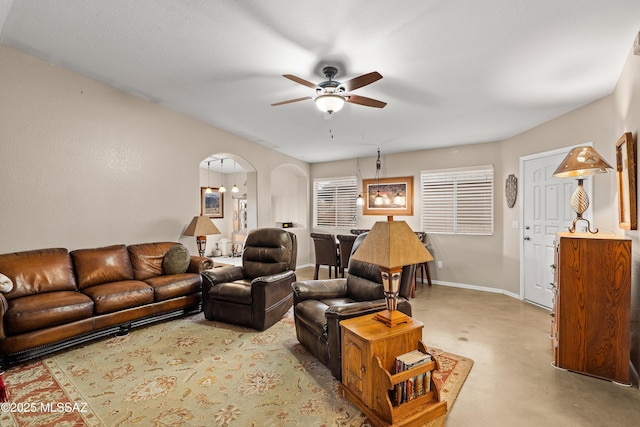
{"type": "Point", "coordinates": [335, 202]}
{"type": "Point", "coordinates": [457, 201]}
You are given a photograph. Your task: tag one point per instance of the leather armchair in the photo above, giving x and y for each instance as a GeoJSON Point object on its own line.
{"type": "Point", "coordinates": [320, 305]}
{"type": "Point", "coordinates": [258, 293]}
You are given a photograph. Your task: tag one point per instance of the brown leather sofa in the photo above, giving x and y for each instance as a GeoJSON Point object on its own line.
{"type": "Point", "coordinates": [61, 298]}
{"type": "Point", "coordinates": [320, 305]}
{"type": "Point", "coordinates": [258, 293]}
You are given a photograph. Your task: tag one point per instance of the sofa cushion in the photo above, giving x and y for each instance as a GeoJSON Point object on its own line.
{"type": "Point", "coordinates": [267, 251]}
{"type": "Point", "coordinates": [101, 265]}
{"type": "Point", "coordinates": [176, 260]}
{"type": "Point", "coordinates": [361, 289]}
{"type": "Point", "coordinates": [238, 291]}
{"type": "Point", "coordinates": [33, 312]}
{"type": "Point", "coordinates": [37, 271]}
{"type": "Point", "coordinates": [176, 285]}
{"type": "Point", "coordinates": [146, 259]}
{"type": "Point", "coordinates": [114, 296]}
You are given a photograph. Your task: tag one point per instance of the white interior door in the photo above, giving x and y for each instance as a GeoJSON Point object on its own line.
{"type": "Point", "coordinates": [545, 211]}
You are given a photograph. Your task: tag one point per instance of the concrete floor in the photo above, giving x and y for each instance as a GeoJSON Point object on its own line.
{"type": "Point", "coordinates": [512, 382]}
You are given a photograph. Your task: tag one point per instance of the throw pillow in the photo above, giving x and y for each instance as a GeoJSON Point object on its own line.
{"type": "Point", "coordinates": [6, 285]}
{"type": "Point", "coordinates": [176, 260]}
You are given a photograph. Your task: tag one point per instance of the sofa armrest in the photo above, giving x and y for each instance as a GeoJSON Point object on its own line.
{"type": "Point", "coordinates": [3, 309]}
{"type": "Point", "coordinates": [319, 289]}
{"type": "Point", "coordinates": [198, 264]}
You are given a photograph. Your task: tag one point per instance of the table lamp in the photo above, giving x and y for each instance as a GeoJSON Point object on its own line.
{"type": "Point", "coordinates": [392, 245]}
{"type": "Point", "coordinates": [201, 226]}
{"type": "Point", "coordinates": [581, 162]}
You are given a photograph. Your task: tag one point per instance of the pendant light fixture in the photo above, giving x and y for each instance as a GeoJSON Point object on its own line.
{"type": "Point", "coordinates": [235, 187]}
{"type": "Point", "coordinates": [378, 201]}
{"type": "Point", "coordinates": [208, 190]}
{"type": "Point", "coordinates": [221, 189]}
{"type": "Point", "coordinates": [359, 199]}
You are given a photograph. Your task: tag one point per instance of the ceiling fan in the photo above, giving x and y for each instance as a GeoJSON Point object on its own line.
{"type": "Point", "coordinates": [331, 94]}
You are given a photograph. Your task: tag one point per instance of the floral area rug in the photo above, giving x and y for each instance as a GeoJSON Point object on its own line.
{"type": "Point", "coordinates": [192, 372]}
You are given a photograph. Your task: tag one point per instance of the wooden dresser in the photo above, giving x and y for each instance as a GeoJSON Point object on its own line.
{"type": "Point", "coordinates": [590, 325]}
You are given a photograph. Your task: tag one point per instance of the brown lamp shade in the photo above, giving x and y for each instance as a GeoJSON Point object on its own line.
{"type": "Point", "coordinates": [392, 244]}
{"type": "Point", "coordinates": [582, 161]}
{"type": "Point", "coordinates": [201, 226]}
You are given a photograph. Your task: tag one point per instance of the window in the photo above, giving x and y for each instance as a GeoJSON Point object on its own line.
{"type": "Point", "coordinates": [335, 202]}
{"type": "Point", "coordinates": [458, 201]}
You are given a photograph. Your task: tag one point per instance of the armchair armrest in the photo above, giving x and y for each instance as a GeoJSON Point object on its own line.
{"type": "Point", "coordinates": [346, 311]}
{"type": "Point", "coordinates": [335, 314]}
{"type": "Point", "coordinates": [319, 289]}
{"type": "Point", "coordinates": [214, 276]}
{"type": "Point", "coordinates": [223, 274]}
{"type": "Point", "coordinates": [271, 298]}
{"type": "Point", "coordinates": [198, 264]}
{"type": "Point", "coordinates": [268, 290]}
{"type": "Point", "coordinates": [287, 276]}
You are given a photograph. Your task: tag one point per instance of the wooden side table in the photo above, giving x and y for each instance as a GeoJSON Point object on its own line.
{"type": "Point", "coordinates": [369, 350]}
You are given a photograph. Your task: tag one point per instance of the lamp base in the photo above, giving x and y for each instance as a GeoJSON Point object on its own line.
{"type": "Point", "coordinates": [391, 318]}
{"type": "Point", "coordinates": [202, 244]}
{"type": "Point", "coordinates": [572, 229]}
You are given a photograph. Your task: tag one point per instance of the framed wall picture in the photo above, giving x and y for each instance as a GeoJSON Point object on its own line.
{"type": "Point", "coordinates": [211, 204]}
{"type": "Point", "coordinates": [626, 175]}
{"type": "Point", "coordinates": [396, 194]}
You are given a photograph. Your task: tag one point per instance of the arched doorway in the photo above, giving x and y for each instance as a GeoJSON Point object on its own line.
{"type": "Point", "coordinates": [233, 179]}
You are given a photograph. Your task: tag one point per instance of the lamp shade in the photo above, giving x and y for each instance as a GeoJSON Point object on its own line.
{"type": "Point", "coordinates": [392, 244]}
{"type": "Point", "coordinates": [201, 226]}
{"type": "Point", "coordinates": [582, 161]}
{"type": "Point", "coordinates": [329, 103]}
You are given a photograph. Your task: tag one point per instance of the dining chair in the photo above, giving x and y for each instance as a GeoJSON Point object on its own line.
{"type": "Point", "coordinates": [345, 244]}
{"type": "Point", "coordinates": [358, 231]}
{"type": "Point", "coordinates": [424, 267]}
{"type": "Point", "coordinates": [326, 252]}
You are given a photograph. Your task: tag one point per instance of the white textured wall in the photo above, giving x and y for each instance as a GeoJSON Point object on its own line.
{"type": "Point", "coordinates": [85, 165]}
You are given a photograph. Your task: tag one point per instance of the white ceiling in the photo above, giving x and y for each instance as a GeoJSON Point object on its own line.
{"type": "Point", "coordinates": [454, 71]}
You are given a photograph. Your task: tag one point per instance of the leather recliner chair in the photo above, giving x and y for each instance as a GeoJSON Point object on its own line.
{"type": "Point", "coordinates": [320, 305]}
{"type": "Point", "coordinates": [258, 293]}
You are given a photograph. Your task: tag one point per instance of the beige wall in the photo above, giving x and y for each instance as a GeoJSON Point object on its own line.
{"type": "Point", "coordinates": [466, 260]}
{"type": "Point", "coordinates": [85, 165]}
{"type": "Point", "coordinates": [626, 118]}
{"type": "Point", "coordinates": [494, 261]}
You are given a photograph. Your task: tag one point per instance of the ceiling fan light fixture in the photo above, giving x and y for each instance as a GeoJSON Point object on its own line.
{"type": "Point", "coordinates": [329, 103]}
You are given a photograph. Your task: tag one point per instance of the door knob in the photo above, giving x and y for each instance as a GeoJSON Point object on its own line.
{"type": "Point", "coordinates": [527, 238]}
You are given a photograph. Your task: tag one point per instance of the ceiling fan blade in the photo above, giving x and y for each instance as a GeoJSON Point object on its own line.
{"type": "Point", "coordinates": [290, 101]}
{"type": "Point", "coordinates": [303, 82]}
{"type": "Point", "coordinates": [363, 100]}
{"type": "Point", "coordinates": [363, 80]}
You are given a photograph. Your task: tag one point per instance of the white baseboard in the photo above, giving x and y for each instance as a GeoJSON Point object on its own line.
{"type": "Point", "coordinates": [476, 288]}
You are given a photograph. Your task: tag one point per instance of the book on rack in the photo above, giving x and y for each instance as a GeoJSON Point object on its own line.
{"type": "Point", "coordinates": [415, 386]}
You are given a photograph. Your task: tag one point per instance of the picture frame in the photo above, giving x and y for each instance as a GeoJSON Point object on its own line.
{"type": "Point", "coordinates": [211, 204]}
{"type": "Point", "coordinates": [626, 177]}
{"type": "Point", "coordinates": [389, 188]}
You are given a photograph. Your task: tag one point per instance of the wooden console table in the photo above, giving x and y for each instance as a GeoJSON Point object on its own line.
{"type": "Point", "coordinates": [369, 349]}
